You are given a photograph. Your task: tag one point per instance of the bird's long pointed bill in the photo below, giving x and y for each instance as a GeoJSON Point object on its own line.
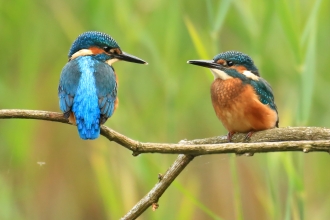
{"type": "Point", "coordinates": [204, 63]}
{"type": "Point", "coordinates": [129, 58]}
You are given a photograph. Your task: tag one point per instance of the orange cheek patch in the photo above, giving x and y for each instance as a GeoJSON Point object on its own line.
{"type": "Point", "coordinates": [116, 50]}
{"type": "Point", "coordinates": [239, 69]}
{"type": "Point", "coordinates": [222, 62]}
{"type": "Point", "coordinates": [96, 50]}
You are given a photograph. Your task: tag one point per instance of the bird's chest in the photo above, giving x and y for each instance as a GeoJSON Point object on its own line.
{"type": "Point", "coordinates": [231, 102]}
{"type": "Point", "coordinates": [225, 93]}
{"type": "Point", "coordinates": [238, 107]}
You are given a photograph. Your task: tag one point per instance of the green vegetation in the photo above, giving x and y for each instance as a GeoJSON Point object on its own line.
{"type": "Point", "coordinates": [166, 101]}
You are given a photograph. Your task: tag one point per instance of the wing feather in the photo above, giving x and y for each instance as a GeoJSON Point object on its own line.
{"type": "Point", "coordinates": [68, 85]}
{"type": "Point", "coordinates": [106, 84]}
{"type": "Point", "coordinates": [265, 93]}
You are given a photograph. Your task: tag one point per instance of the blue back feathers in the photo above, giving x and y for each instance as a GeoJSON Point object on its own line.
{"type": "Point", "coordinates": [88, 85]}
{"type": "Point", "coordinates": [88, 88]}
{"type": "Point", "coordinates": [85, 105]}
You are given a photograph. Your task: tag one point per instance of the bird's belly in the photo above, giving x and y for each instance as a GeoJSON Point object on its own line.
{"type": "Point", "coordinates": [234, 120]}
{"type": "Point", "coordinates": [239, 108]}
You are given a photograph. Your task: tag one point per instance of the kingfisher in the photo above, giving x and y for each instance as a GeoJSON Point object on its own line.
{"type": "Point", "coordinates": [242, 100]}
{"type": "Point", "coordinates": [88, 84]}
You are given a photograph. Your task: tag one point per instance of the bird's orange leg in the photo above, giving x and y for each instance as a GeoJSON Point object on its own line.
{"type": "Point", "coordinates": [248, 136]}
{"type": "Point", "coordinates": [230, 135]}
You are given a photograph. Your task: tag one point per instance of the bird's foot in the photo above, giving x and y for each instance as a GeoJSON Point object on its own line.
{"type": "Point", "coordinates": [103, 119]}
{"type": "Point", "coordinates": [230, 135]}
{"type": "Point", "coordinates": [248, 136]}
{"type": "Point", "coordinates": [70, 116]}
{"type": "Point", "coordinates": [67, 114]}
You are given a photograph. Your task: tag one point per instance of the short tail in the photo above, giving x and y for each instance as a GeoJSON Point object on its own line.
{"type": "Point", "coordinates": [87, 113]}
{"type": "Point", "coordinates": [88, 130]}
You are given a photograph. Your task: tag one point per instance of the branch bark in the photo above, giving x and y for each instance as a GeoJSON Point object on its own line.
{"type": "Point", "coordinates": [305, 139]}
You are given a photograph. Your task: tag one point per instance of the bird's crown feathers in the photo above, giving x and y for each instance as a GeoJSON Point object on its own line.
{"type": "Point", "coordinates": [92, 38]}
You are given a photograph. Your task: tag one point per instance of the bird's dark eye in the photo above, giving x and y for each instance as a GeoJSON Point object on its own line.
{"type": "Point", "coordinates": [230, 63]}
{"type": "Point", "coordinates": [106, 49]}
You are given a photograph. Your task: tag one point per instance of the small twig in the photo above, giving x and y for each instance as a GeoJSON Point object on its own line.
{"type": "Point", "coordinates": [157, 191]}
{"type": "Point", "coordinates": [160, 177]}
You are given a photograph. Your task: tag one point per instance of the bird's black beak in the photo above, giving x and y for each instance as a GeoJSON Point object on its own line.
{"type": "Point", "coordinates": [204, 63]}
{"type": "Point", "coordinates": [130, 58]}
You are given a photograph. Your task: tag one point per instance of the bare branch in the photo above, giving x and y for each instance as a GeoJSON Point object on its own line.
{"type": "Point", "coordinates": [305, 139]}
{"type": "Point", "coordinates": [157, 191]}
{"type": "Point", "coordinates": [33, 114]}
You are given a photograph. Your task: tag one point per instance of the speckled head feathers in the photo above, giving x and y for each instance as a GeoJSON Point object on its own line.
{"type": "Point", "coordinates": [237, 58]}
{"type": "Point", "coordinates": [92, 38]}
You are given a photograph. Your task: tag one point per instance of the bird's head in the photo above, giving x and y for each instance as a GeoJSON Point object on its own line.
{"type": "Point", "coordinates": [230, 64]}
{"type": "Point", "coordinates": [104, 47]}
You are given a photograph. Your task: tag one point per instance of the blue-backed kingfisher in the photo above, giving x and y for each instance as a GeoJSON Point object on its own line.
{"type": "Point", "coordinates": [242, 100]}
{"type": "Point", "coordinates": [88, 83]}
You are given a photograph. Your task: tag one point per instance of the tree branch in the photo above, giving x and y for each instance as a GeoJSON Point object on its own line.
{"type": "Point", "coordinates": [33, 114]}
{"type": "Point", "coordinates": [305, 139]}
{"type": "Point", "coordinates": [151, 199]}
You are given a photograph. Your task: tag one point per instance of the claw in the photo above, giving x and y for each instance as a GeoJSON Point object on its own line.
{"type": "Point", "coordinates": [248, 136]}
{"type": "Point", "coordinates": [230, 135]}
{"type": "Point", "coordinates": [67, 114]}
{"type": "Point", "coordinates": [103, 119]}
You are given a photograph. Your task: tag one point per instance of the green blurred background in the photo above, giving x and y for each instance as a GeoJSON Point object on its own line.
{"type": "Point", "coordinates": [166, 101]}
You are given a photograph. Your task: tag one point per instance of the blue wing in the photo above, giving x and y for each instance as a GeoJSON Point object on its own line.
{"type": "Point", "coordinates": [68, 85]}
{"type": "Point", "coordinates": [106, 89]}
{"type": "Point", "coordinates": [105, 82]}
{"type": "Point", "coordinates": [265, 93]}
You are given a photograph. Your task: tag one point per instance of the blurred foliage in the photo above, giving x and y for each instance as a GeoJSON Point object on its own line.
{"type": "Point", "coordinates": [166, 101]}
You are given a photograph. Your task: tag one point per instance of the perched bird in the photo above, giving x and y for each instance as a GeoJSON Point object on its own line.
{"type": "Point", "coordinates": [88, 83]}
{"type": "Point", "coordinates": [242, 100]}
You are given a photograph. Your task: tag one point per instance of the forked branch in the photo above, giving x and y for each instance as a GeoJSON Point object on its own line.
{"type": "Point", "coordinates": [304, 139]}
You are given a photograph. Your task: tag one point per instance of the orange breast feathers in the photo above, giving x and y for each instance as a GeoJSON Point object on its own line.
{"type": "Point", "coordinates": [238, 107]}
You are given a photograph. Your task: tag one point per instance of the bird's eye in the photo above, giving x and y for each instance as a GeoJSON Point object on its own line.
{"type": "Point", "coordinates": [106, 49]}
{"type": "Point", "coordinates": [230, 63]}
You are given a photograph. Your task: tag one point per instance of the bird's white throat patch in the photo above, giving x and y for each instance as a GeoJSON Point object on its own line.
{"type": "Point", "coordinates": [111, 61]}
{"type": "Point", "coordinates": [250, 75]}
{"type": "Point", "coordinates": [220, 74]}
{"type": "Point", "coordinates": [82, 52]}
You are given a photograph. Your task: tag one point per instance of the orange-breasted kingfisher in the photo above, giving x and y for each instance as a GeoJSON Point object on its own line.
{"type": "Point", "coordinates": [88, 83]}
{"type": "Point", "coordinates": [242, 100]}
